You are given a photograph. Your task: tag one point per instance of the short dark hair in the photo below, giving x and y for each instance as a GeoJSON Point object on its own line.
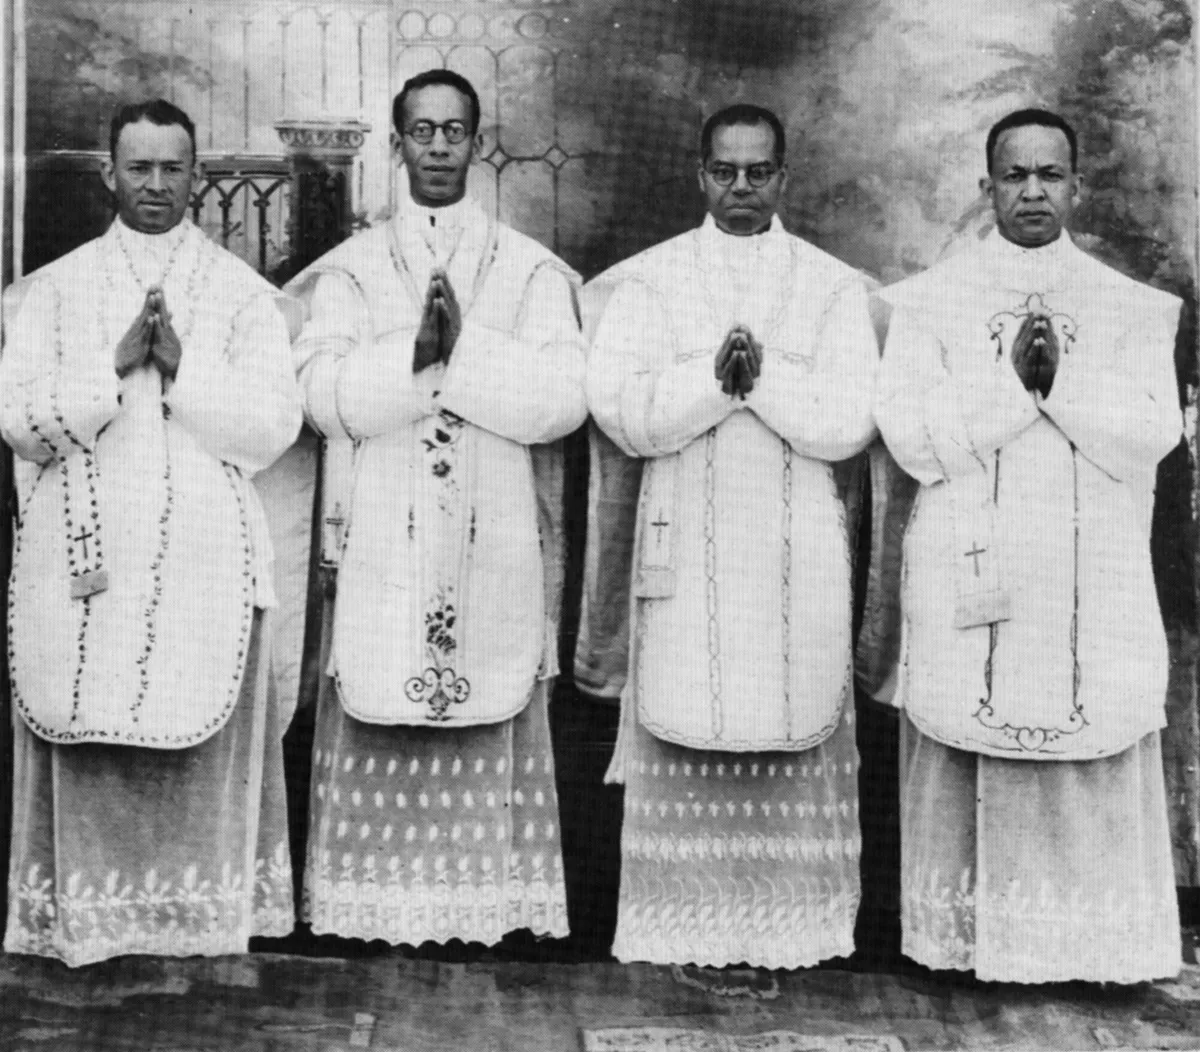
{"type": "Point", "coordinates": [156, 111]}
{"type": "Point", "coordinates": [427, 79]}
{"type": "Point", "coordinates": [742, 113]}
{"type": "Point", "coordinates": [1039, 118]}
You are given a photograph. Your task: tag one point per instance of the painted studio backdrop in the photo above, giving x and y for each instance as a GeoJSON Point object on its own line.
{"type": "Point", "coordinates": [590, 115]}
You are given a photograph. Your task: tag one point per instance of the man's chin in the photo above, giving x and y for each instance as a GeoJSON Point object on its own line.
{"type": "Point", "coordinates": [153, 222]}
{"type": "Point", "coordinates": [438, 193]}
{"type": "Point", "coordinates": [1033, 235]}
{"type": "Point", "coordinates": [1032, 232]}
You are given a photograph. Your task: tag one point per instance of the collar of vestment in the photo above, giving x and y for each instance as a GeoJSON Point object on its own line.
{"type": "Point", "coordinates": [458, 238]}
{"type": "Point", "coordinates": [1013, 267]}
{"type": "Point", "coordinates": [741, 247]}
{"type": "Point", "coordinates": [151, 257]}
{"type": "Point", "coordinates": [438, 229]}
{"type": "Point", "coordinates": [745, 280]}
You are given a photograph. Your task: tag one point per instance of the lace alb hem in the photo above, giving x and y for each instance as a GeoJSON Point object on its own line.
{"type": "Point", "coordinates": [1034, 968]}
{"type": "Point", "coordinates": [193, 915]}
{"type": "Point", "coordinates": [276, 921]}
{"type": "Point", "coordinates": [438, 913]}
{"type": "Point", "coordinates": [101, 948]}
{"type": "Point", "coordinates": [771, 953]}
{"type": "Point", "coordinates": [760, 935]}
{"type": "Point", "coordinates": [1041, 937]}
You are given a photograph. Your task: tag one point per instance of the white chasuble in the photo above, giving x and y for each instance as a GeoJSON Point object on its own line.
{"type": "Point", "coordinates": [1031, 622]}
{"type": "Point", "coordinates": [446, 584]}
{"type": "Point", "coordinates": [741, 578]}
{"type": "Point", "coordinates": [141, 549]}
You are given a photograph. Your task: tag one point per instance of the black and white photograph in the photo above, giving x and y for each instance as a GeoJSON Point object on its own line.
{"type": "Point", "coordinates": [599, 526]}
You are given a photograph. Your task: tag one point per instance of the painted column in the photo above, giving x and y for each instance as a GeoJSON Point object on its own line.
{"type": "Point", "coordinates": [321, 155]}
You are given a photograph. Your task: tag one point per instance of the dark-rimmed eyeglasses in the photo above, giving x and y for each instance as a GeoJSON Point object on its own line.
{"type": "Point", "coordinates": [424, 131]}
{"type": "Point", "coordinates": [756, 174]}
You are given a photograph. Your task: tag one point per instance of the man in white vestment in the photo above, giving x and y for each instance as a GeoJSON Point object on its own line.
{"type": "Point", "coordinates": [1031, 391]}
{"type": "Point", "coordinates": [441, 354]}
{"type": "Point", "coordinates": [145, 377]}
{"type": "Point", "coordinates": [739, 362]}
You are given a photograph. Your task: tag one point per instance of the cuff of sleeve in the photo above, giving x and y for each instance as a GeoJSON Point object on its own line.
{"type": "Point", "coordinates": [687, 393]}
{"type": "Point", "coordinates": [321, 384]}
{"type": "Point", "coordinates": [88, 405]}
{"type": "Point", "coordinates": [1069, 387]}
{"type": "Point", "coordinates": [375, 390]}
{"type": "Point", "coordinates": [996, 407]}
{"type": "Point", "coordinates": [481, 367]}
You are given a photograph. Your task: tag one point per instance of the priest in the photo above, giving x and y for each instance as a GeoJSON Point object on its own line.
{"type": "Point", "coordinates": [146, 377]}
{"type": "Point", "coordinates": [441, 356]}
{"type": "Point", "coordinates": [739, 362]}
{"type": "Point", "coordinates": [1031, 391]}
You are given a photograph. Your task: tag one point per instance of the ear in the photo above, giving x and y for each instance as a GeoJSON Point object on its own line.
{"type": "Point", "coordinates": [783, 180]}
{"type": "Point", "coordinates": [986, 185]}
{"type": "Point", "coordinates": [197, 176]}
{"type": "Point", "coordinates": [476, 147]}
{"type": "Point", "coordinates": [700, 178]}
{"type": "Point", "coordinates": [108, 175]}
{"type": "Point", "coordinates": [1077, 190]}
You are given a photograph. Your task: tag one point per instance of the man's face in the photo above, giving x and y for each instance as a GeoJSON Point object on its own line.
{"type": "Point", "coordinates": [151, 176]}
{"type": "Point", "coordinates": [742, 154]}
{"type": "Point", "coordinates": [1032, 185]}
{"type": "Point", "coordinates": [437, 170]}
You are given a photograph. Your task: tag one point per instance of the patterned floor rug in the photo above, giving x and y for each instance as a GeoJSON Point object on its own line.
{"type": "Point", "coordinates": [674, 1039]}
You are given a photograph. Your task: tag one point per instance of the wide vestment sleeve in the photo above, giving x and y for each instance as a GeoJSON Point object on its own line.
{"type": "Point", "coordinates": [239, 399]}
{"type": "Point", "coordinates": [54, 398]}
{"type": "Point", "coordinates": [527, 386]}
{"type": "Point", "coordinates": [938, 424]}
{"type": "Point", "coordinates": [1117, 400]}
{"type": "Point", "coordinates": [649, 399]}
{"type": "Point", "coordinates": [357, 384]}
{"type": "Point", "coordinates": [821, 405]}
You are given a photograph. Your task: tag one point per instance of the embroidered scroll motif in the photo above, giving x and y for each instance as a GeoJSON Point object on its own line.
{"type": "Point", "coordinates": [1034, 304]}
{"type": "Point", "coordinates": [439, 689]}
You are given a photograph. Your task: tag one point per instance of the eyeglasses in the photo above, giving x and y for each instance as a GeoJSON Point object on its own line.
{"type": "Point", "coordinates": [424, 131]}
{"type": "Point", "coordinates": [756, 174]}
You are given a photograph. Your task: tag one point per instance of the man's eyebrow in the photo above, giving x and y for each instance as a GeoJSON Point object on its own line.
{"type": "Point", "coordinates": [1049, 166]}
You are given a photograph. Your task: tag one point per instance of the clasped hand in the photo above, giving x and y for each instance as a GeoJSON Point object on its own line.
{"type": "Point", "coordinates": [738, 362]}
{"type": "Point", "coordinates": [441, 323]}
{"type": "Point", "coordinates": [1035, 354]}
{"type": "Point", "coordinates": [150, 340]}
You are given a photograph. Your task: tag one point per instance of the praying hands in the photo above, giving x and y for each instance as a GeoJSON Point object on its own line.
{"type": "Point", "coordinates": [151, 339]}
{"type": "Point", "coordinates": [738, 362]}
{"type": "Point", "coordinates": [441, 324]}
{"type": "Point", "coordinates": [1035, 354]}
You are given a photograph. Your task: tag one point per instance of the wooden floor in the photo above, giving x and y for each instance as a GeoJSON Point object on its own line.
{"type": "Point", "coordinates": [280, 1003]}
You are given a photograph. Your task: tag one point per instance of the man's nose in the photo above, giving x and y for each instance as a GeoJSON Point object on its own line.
{"type": "Point", "coordinates": [439, 143]}
{"type": "Point", "coordinates": [1033, 188]}
{"type": "Point", "coordinates": [741, 183]}
{"type": "Point", "coordinates": [155, 181]}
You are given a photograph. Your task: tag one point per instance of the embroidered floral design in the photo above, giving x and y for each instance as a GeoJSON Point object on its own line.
{"type": "Point", "coordinates": [439, 686]}
{"type": "Point", "coordinates": [439, 627]}
{"type": "Point", "coordinates": [191, 914]}
{"type": "Point", "coordinates": [441, 442]}
{"type": "Point", "coordinates": [1043, 934]}
{"type": "Point", "coordinates": [411, 900]}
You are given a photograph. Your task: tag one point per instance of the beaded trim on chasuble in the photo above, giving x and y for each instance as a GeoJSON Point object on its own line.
{"type": "Point", "coordinates": [83, 669]}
